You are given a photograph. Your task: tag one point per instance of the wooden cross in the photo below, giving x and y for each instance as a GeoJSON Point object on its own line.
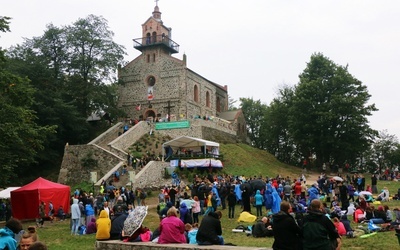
{"type": "Point", "coordinates": [169, 110]}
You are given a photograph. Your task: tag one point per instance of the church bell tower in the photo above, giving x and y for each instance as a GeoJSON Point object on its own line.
{"type": "Point", "coordinates": [156, 35]}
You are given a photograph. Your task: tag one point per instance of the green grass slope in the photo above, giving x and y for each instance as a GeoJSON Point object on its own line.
{"type": "Point", "coordinates": [242, 159]}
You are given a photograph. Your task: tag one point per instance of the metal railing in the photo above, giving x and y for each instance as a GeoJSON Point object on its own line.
{"type": "Point", "coordinates": [155, 40]}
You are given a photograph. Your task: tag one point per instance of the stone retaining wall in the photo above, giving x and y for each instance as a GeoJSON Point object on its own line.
{"type": "Point", "coordinates": [118, 245]}
{"type": "Point", "coordinates": [73, 168]}
{"type": "Point", "coordinates": [152, 175]}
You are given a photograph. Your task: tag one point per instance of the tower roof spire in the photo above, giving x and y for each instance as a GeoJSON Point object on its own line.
{"type": "Point", "coordinates": [156, 12]}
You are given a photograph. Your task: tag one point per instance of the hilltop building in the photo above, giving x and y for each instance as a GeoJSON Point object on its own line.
{"type": "Point", "coordinates": [160, 87]}
{"type": "Point", "coordinates": [165, 97]}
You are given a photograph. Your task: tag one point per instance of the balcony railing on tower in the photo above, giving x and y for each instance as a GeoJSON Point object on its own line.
{"type": "Point", "coordinates": [165, 41]}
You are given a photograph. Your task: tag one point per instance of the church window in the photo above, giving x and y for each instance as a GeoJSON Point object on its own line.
{"type": "Point", "coordinates": [148, 38]}
{"type": "Point", "coordinates": [196, 93]}
{"type": "Point", "coordinates": [154, 57]}
{"type": "Point", "coordinates": [148, 58]}
{"type": "Point", "coordinates": [218, 104]}
{"type": "Point", "coordinates": [208, 99]}
{"type": "Point", "coordinates": [154, 37]}
{"type": "Point", "coordinates": [151, 80]}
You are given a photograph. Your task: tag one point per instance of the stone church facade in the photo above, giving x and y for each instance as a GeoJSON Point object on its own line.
{"type": "Point", "coordinates": [155, 83]}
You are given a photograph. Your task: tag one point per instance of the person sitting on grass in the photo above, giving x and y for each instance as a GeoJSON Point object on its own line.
{"type": "Point", "coordinates": [210, 230]}
{"type": "Point", "coordinates": [192, 233]}
{"type": "Point", "coordinates": [61, 213]}
{"type": "Point", "coordinates": [262, 228]}
{"type": "Point", "coordinates": [339, 226]}
{"type": "Point", "coordinates": [103, 225]}
{"type": "Point", "coordinates": [172, 228]}
{"type": "Point", "coordinates": [91, 228]}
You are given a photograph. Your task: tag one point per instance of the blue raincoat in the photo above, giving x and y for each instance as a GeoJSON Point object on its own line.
{"type": "Point", "coordinates": [268, 196]}
{"type": "Point", "coordinates": [215, 191]}
{"type": "Point", "coordinates": [238, 192]}
{"type": "Point", "coordinates": [276, 201]}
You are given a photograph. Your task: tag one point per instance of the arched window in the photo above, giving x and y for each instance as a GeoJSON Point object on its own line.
{"type": "Point", "coordinates": [148, 58]}
{"type": "Point", "coordinates": [196, 93]}
{"type": "Point", "coordinates": [218, 104]}
{"type": "Point", "coordinates": [208, 99]}
{"type": "Point", "coordinates": [154, 37]}
{"type": "Point", "coordinates": [154, 57]}
{"type": "Point", "coordinates": [148, 38]}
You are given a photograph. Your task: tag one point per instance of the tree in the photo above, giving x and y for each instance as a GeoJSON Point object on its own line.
{"type": "Point", "coordinates": [21, 137]}
{"type": "Point", "coordinates": [278, 138]}
{"type": "Point", "coordinates": [328, 116]}
{"type": "Point", "coordinates": [93, 59]}
{"type": "Point", "coordinates": [72, 70]}
{"type": "Point", "coordinates": [254, 115]}
{"type": "Point", "coordinates": [385, 149]}
{"type": "Point", "coordinates": [231, 103]}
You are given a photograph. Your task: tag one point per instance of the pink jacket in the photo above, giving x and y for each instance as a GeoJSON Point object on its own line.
{"type": "Point", "coordinates": [172, 231]}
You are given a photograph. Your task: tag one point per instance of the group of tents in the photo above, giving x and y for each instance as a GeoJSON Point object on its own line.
{"type": "Point", "coordinates": [25, 200]}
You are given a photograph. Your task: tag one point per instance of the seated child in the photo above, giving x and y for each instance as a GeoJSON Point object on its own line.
{"type": "Point", "coordinates": [339, 226]}
{"type": "Point", "coordinates": [192, 232]}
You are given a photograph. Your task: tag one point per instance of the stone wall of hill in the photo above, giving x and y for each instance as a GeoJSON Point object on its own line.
{"type": "Point", "coordinates": [80, 160]}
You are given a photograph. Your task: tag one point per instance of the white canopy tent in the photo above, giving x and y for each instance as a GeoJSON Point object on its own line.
{"type": "Point", "coordinates": [188, 142]}
{"type": "Point", "coordinates": [5, 194]}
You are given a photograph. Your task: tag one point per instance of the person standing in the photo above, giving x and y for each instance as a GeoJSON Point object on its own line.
{"type": "Point", "coordinates": [374, 182]}
{"type": "Point", "coordinates": [259, 200]}
{"type": "Point", "coordinates": [75, 216]}
{"type": "Point", "coordinates": [318, 230]}
{"type": "Point", "coordinates": [51, 210]}
{"type": "Point", "coordinates": [231, 204]}
{"type": "Point", "coordinates": [287, 233]}
{"type": "Point", "coordinates": [42, 214]}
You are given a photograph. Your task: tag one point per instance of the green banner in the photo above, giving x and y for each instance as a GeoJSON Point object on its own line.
{"type": "Point", "coordinates": [172, 125]}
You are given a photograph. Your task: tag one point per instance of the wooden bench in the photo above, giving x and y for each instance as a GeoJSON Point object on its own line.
{"type": "Point", "coordinates": [119, 245]}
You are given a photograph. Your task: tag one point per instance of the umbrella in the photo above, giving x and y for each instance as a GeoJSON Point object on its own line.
{"type": "Point", "coordinates": [257, 184]}
{"type": "Point", "coordinates": [364, 193]}
{"type": "Point", "coordinates": [337, 178]}
{"type": "Point", "coordinates": [134, 220]}
{"type": "Point", "coordinates": [246, 187]}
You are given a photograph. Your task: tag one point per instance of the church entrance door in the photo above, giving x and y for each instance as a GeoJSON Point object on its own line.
{"type": "Point", "coordinates": [150, 115]}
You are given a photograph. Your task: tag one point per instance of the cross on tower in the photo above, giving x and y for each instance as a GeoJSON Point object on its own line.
{"type": "Point", "coordinates": [156, 2]}
{"type": "Point", "coordinates": [169, 107]}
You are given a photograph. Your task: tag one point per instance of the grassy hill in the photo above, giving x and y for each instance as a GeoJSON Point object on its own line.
{"type": "Point", "coordinates": [242, 159]}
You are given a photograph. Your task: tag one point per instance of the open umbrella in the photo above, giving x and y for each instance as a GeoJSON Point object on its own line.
{"type": "Point", "coordinates": [257, 184]}
{"type": "Point", "coordinates": [337, 178]}
{"type": "Point", "coordinates": [364, 193]}
{"type": "Point", "coordinates": [134, 220]}
{"type": "Point", "coordinates": [246, 187]}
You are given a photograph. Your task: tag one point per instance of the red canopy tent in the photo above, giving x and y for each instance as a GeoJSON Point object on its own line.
{"type": "Point", "coordinates": [25, 200]}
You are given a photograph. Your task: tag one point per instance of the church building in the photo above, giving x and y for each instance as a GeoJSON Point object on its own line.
{"type": "Point", "coordinates": [159, 87]}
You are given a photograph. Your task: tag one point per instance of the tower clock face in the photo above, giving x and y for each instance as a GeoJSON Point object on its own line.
{"type": "Point", "coordinates": [151, 81]}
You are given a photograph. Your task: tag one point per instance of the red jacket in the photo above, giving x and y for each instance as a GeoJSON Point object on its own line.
{"type": "Point", "coordinates": [172, 231]}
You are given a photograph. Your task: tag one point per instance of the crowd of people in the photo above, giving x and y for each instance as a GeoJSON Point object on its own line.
{"type": "Point", "coordinates": [296, 215]}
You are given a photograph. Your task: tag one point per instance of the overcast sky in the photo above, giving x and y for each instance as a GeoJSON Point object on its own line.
{"type": "Point", "coordinates": [253, 46]}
